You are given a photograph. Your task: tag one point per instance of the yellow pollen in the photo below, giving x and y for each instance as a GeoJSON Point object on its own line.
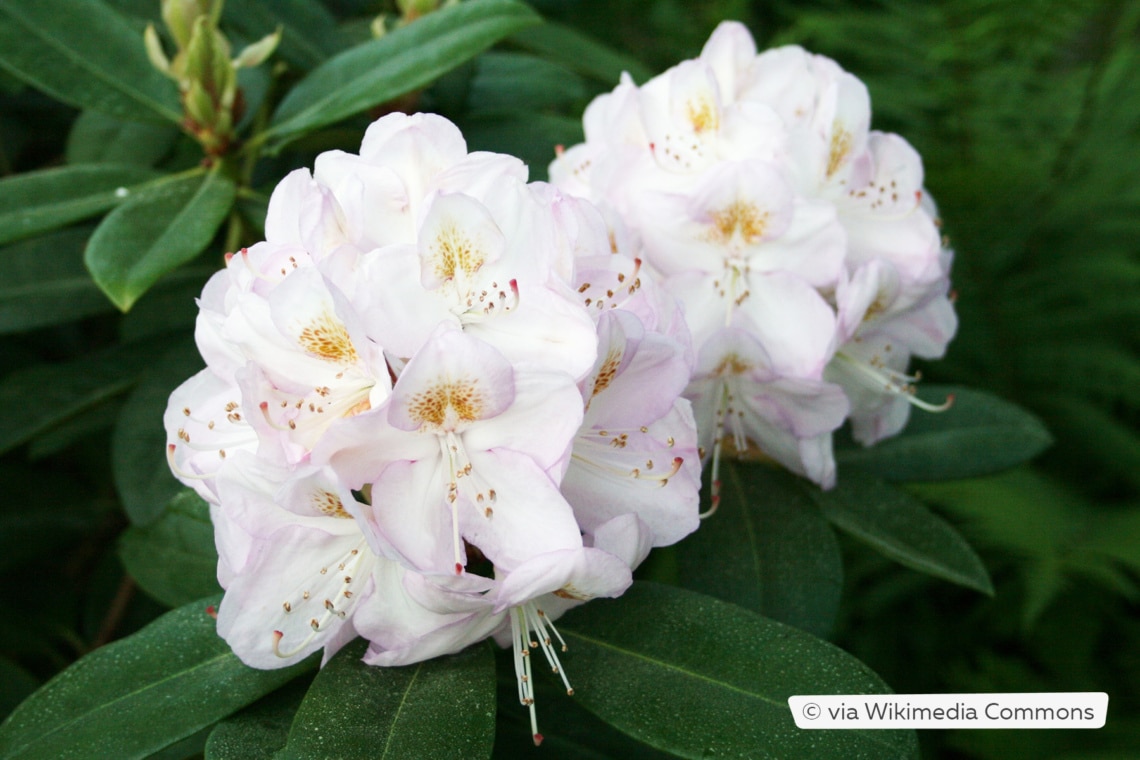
{"type": "Point", "coordinates": [608, 371]}
{"type": "Point", "coordinates": [731, 365]}
{"type": "Point", "coordinates": [459, 401]}
{"type": "Point", "coordinates": [841, 144]}
{"type": "Point", "coordinates": [329, 504]}
{"type": "Point", "coordinates": [327, 337]}
{"type": "Point", "coordinates": [702, 115]}
{"type": "Point", "coordinates": [740, 218]}
{"type": "Point", "coordinates": [452, 251]}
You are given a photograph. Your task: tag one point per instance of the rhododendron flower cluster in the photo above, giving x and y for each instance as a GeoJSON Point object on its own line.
{"type": "Point", "coordinates": [801, 244]}
{"type": "Point", "coordinates": [440, 404]}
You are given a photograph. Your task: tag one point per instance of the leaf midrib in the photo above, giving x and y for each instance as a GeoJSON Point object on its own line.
{"type": "Point", "coordinates": [869, 735]}
{"type": "Point", "coordinates": [99, 709]}
{"type": "Point", "coordinates": [80, 63]}
{"type": "Point", "coordinates": [399, 709]}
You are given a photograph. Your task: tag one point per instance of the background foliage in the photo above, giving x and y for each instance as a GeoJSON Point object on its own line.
{"type": "Point", "coordinates": [1028, 119]}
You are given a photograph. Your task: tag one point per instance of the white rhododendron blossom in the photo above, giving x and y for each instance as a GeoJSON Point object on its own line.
{"type": "Point", "coordinates": [440, 404]}
{"type": "Point", "coordinates": [800, 243]}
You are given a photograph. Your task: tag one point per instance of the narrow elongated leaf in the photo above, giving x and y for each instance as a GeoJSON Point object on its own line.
{"type": "Point", "coordinates": [34, 399]}
{"type": "Point", "coordinates": [45, 283]}
{"type": "Point", "coordinates": [700, 678]}
{"type": "Point", "coordinates": [45, 200]}
{"type": "Point", "coordinates": [259, 731]}
{"type": "Point", "coordinates": [158, 229]}
{"type": "Point", "coordinates": [768, 548]}
{"type": "Point", "coordinates": [140, 694]}
{"type": "Point", "coordinates": [87, 55]}
{"type": "Point", "coordinates": [399, 62]}
{"type": "Point", "coordinates": [978, 435]}
{"type": "Point", "coordinates": [174, 560]}
{"type": "Point", "coordinates": [576, 51]}
{"type": "Point", "coordinates": [98, 138]}
{"type": "Point", "coordinates": [142, 475]}
{"type": "Point", "coordinates": [442, 708]}
{"type": "Point", "coordinates": [902, 528]}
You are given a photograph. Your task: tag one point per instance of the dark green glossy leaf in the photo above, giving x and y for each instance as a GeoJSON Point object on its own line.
{"type": "Point", "coordinates": [399, 62]}
{"type": "Point", "coordinates": [700, 678]}
{"type": "Point", "coordinates": [532, 137]}
{"type": "Point", "coordinates": [442, 708]}
{"type": "Point", "coordinates": [309, 33]}
{"type": "Point", "coordinates": [978, 435]}
{"type": "Point", "coordinates": [97, 138]}
{"type": "Point", "coordinates": [167, 307]}
{"type": "Point", "coordinates": [46, 200]}
{"type": "Point", "coordinates": [159, 228]}
{"type": "Point", "coordinates": [15, 684]}
{"type": "Point", "coordinates": [259, 731]}
{"type": "Point", "coordinates": [140, 694]}
{"type": "Point", "coordinates": [569, 731]}
{"type": "Point", "coordinates": [142, 475]}
{"type": "Point", "coordinates": [87, 55]}
{"type": "Point", "coordinates": [578, 52]}
{"type": "Point", "coordinates": [506, 82]}
{"type": "Point", "coordinates": [768, 548]}
{"type": "Point", "coordinates": [35, 399]}
{"type": "Point", "coordinates": [174, 560]}
{"type": "Point", "coordinates": [91, 421]}
{"type": "Point", "coordinates": [902, 528]}
{"type": "Point", "coordinates": [45, 283]}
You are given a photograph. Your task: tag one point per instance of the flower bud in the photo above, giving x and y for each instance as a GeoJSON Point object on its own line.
{"type": "Point", "coordinates": [181, 15]}
{"type": "Point", "coordinates": [256, 53]}
{"type": "Point", "coordinates": [202, 67]}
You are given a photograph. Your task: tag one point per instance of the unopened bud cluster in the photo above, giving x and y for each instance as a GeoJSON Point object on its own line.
{"type": "Point", "coordinates": [205, 72]}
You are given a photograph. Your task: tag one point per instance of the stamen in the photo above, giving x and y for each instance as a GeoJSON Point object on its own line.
{"type": "Point", "coordinates": [330, 611]}
{"type": "Point", "coordinates": [894, 382]}
{"type": "Point", "coordinates": [718, 446]}
{"type": "Point", "coordinates": [178, 470]}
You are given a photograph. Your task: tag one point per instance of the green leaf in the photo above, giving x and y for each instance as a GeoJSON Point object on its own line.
{"type": "Point", "coordinates": [174, 560]}
{"type": "Point", "coordinates": [138, 695]}
{"type": "Point", "coordinates": [87, 55]}
{"type": "Point", "coordinates": [506, 82]}
{"type": "Point", "coordinates": [169, 306]}
{"type": "Point", "coordinates": [89, 422]}
{"type": "Point", "coordinates": [767, 548]}
{"type": "Point", "coordinates": [399, 62]}
{"type": "Point", "coordinates": [45, 283]}
{"type": "Point", "coordinates": [138, 445]}
{"type": "Point", "coordinates": [259, 731]}
{"type": "Point", "coordinates": [442, 708]}
{"type": "Point", "coordinates": [578, 52]}
{"type": "Point", "coordinates": [530, 136]}
{"type": "Point", "coordinates": [978, 435]}
{"type": "Point", "coordinates": [15, 684]}
{"type": "Point", "coordinates": [45, 200]}
{"type": "Point", "coordinates": [35, 399]}
{"type": "Point", "coordinates": [97, 138]}
{"type": "Point", "coordinates": [902, 528]}
{"type": "Point", "coordinates": [700, 678]}
{"type": "Point", "coordinates": [159, 228]}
